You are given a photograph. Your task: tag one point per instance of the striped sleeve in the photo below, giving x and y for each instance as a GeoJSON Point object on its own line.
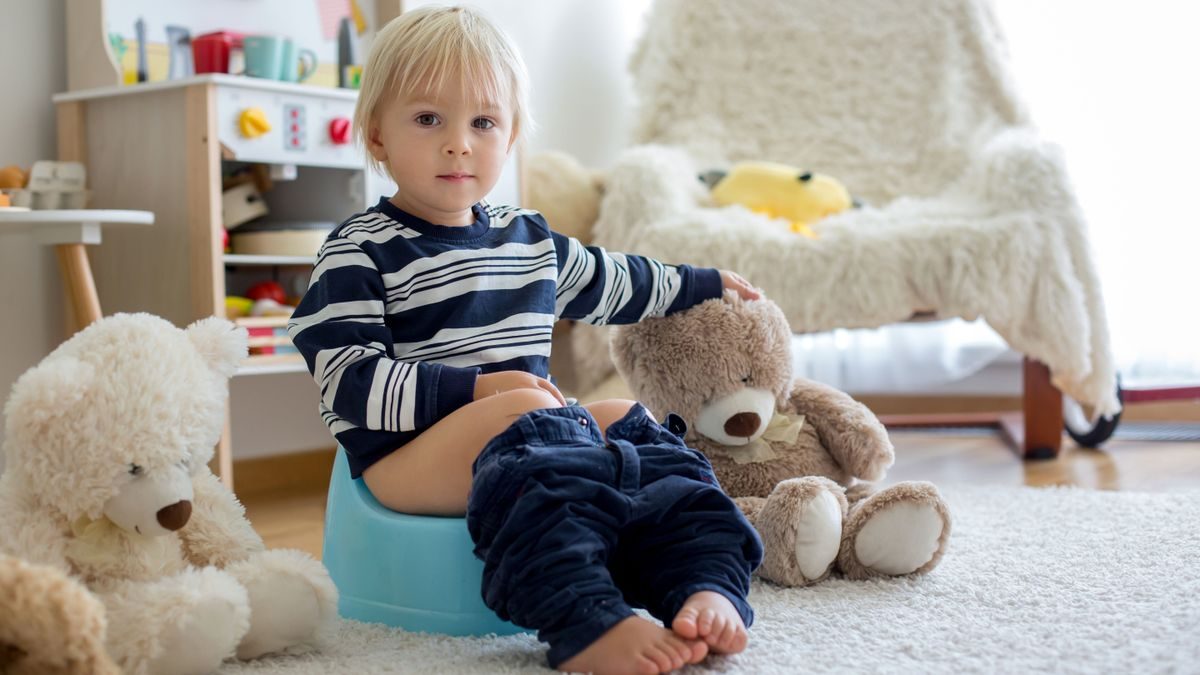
{"type": "Point", "coordinates": [339, 328]}
{"type": "Point", "coordinates": [599, 287]}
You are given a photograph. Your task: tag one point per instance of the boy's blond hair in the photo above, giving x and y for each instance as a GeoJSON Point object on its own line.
{"type": "Point", "coordinates": [417, 51]}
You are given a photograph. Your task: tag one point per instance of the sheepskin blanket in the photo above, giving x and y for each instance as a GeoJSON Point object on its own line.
{"type": "Point", "coordinates": [969, 213]}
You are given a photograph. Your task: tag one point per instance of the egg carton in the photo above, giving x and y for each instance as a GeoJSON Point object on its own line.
{"type": "Point", "coordinates": [52, 185]}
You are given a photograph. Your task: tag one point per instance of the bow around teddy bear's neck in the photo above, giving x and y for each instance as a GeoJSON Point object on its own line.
{"type": "Point", "coordinates": [101, 551]}
{"type": "Point", "coordinates": [784, 428]}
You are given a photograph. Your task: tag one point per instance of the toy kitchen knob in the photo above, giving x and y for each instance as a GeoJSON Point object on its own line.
{"type": "Point", "coordinates": [339, 130]}
{"type": "Point", "coordinates": [253, 123]}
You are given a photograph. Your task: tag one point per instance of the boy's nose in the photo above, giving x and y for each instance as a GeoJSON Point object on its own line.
{"type": "Point", "coordinates": [457, 146]}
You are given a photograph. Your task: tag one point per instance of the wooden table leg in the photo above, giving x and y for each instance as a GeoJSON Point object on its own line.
{"type": "Point", "coordinates": [78, 283]}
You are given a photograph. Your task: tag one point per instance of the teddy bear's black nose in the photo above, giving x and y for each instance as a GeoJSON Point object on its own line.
{"type": "Point", "coordinates": [743, 424]}
{"type": "Point", "coordinates": [176, 515]}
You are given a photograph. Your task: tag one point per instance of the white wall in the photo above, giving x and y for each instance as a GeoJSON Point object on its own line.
{"type": "Point", "coordinates": [31, 299]}
{"type": "Point", "coordinates": [576, 51]}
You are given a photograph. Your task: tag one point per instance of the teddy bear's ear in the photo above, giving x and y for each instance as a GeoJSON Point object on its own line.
{"type": "Point", "coordinates": [46, 393]}
{"type": "Point", "coordinates": [221, 344]}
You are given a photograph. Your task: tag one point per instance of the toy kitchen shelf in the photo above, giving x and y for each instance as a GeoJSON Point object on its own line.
{"type": "Point", "coordinates": [270, 260]}
{"type": "Point", "coordinates": [160, 147]}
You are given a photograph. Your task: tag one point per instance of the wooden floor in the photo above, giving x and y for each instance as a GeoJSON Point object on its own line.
{"type": "Point", "coordinates": [293, 517]}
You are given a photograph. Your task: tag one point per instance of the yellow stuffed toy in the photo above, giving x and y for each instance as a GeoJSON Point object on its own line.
{"type": "Point", "coordinates": [780, 191]}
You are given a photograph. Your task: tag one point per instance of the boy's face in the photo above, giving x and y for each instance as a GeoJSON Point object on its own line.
{"type": "Point", "coordinates": [444, 151]}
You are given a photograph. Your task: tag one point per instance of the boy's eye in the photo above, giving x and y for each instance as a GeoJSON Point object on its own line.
{"type": "Point", "coordinates": [427, 119]}
{"type": "Point", "coordinates": [483, 123]}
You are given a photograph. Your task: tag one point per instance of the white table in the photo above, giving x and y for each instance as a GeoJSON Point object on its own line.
{"type": "Point", "coordinates": [69, 231]}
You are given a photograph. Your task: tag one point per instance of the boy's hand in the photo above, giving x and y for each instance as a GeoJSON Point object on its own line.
{"type": "Point", "coordinates": [732, 281]}
{"type": "Point", "coordinates": [508, 380]}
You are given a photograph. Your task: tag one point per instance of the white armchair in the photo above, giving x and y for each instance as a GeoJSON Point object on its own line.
{"type": "Point", "coordinates": [969, 213]}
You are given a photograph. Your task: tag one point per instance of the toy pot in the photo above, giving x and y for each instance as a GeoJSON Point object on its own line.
{"type": "Point", "coordinates": [211, 51]}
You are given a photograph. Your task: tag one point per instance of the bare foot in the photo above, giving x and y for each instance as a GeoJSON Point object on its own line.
{"type": "Point", "coordinates": [636, 645]}
{"type": "Point", "coordinates": [711, 617]}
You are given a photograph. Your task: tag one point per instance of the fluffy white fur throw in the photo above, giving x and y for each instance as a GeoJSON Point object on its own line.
{"type": "Point", "coordinates": [969, 213]}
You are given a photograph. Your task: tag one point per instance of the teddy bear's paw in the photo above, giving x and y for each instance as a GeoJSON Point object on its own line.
{"type": "Point", "coordinates": [900, 530]}
{"type": "Point", "coordinates": [291, 596]}
{"type": "Point", "coordinates": [801, 528]}
{"type": "Point", "coordinates": [213, 619]}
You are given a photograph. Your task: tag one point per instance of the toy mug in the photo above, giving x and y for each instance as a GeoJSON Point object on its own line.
{"type": "Point", "coordinates": [292, 70]}
{"type": "Point", "coordinates": [264, 56]}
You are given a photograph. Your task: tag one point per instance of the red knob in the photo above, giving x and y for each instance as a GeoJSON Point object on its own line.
{"type": "Point", "coordinates": [339, 130]}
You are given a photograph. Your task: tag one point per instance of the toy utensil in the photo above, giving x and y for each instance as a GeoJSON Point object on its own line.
{"type": "Point", "coordinates": [140, 28]}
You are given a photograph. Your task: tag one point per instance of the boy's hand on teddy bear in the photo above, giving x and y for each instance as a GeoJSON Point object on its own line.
{"type": "Point", "coordinates": [508, 380]}
{"type": "Point", "coordinates": [732, 281]}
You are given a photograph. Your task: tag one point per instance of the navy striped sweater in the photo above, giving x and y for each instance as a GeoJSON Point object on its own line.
{"type": "Point", "coordinates": [401, 315]}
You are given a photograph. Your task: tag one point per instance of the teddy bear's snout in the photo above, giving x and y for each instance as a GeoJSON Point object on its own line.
{"type": "Point", "coordinates": [176, 515]}
{"type": "Point", "coordinates": [743, 424]}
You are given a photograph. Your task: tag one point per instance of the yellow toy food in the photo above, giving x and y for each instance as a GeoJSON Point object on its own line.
{"type": "Point", "coordinates": [13, 176]}
{"type": "Point", "coordinates": [782, 191]}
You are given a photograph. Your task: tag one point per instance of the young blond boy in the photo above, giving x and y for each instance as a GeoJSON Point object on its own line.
{"type": "Point", "coordinates": [427, 326]}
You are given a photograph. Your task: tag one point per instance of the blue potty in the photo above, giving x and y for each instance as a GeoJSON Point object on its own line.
{"type": "Point", "coordinates": [413, 572]}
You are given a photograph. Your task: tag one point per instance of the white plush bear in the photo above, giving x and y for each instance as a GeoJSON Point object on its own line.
{"type": "Point", "coordinates": [108, 441]}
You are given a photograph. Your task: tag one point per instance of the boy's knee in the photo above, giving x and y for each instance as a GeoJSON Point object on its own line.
{"type": "Point", "coordinates": [610, 410]}
{"type": "Point", "coordinates": [521, 401]}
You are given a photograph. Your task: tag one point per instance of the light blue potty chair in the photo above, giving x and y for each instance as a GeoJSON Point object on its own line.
{"type": "Point", "coordinates": [413, 572]}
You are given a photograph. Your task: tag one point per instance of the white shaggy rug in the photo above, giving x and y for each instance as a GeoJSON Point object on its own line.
{"type": "Point", "coordinates": [1062, 580]}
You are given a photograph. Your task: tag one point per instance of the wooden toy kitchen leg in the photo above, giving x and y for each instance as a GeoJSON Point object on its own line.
{"type": "Point", "coordinates": [203, 157]}
{"type": "Point", "coordinates": [222, 461]}
{"type": "Point", "coordinates": [78, 282]}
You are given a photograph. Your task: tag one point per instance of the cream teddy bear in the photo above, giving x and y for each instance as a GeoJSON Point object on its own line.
{"type": "Point", "coordinates": [107, 479]}
{"type": "Point", "coordinates": [792, 451]}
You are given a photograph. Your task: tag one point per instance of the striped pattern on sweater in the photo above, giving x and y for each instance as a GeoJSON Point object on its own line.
{"type": "Point", "coordinates": [401, 315]}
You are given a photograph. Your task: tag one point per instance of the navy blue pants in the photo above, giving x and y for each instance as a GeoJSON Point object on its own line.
{"type": "Point", "coordinates": [576, 530]}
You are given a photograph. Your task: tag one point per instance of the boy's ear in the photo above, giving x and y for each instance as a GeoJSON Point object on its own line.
{"type": "Point", "coordinates": [375, 143]}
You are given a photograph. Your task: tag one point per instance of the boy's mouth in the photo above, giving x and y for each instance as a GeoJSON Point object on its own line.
{"type": "Point", "coordinates": [455, 177]}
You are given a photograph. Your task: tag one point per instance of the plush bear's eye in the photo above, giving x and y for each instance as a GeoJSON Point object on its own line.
{"type": "Point", "coordinates": [135, 470]}
{"type": "Point", "coordinates": [746, 379]}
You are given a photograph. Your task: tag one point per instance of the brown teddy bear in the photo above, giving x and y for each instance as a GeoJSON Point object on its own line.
{"type": "Point", "coordinates": [51, 625]}
{"type": "Point", "coordinates": [792, 451]}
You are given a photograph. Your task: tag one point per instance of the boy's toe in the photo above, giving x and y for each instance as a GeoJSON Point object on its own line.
{"type": "Point", "coordinates": [684, 623]}
{"type": "Point", "coordinates": [644, 666]}
{"type": "Point", "coordinates": [699, 650]}
{"type": "Point", "coordinates": [680, 648]}
{"type": "Point", "coordinates": [733, 639]}
{"type": "Point", "coordinates": [716, 630]}
{"type": "Point", "coordinates": [661, 659]}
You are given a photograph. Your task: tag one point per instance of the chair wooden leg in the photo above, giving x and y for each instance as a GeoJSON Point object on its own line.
{"type": "Point", "coordinates": [1034, 433]}
{"type": "Point", "coordinates": [1042, 405]}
